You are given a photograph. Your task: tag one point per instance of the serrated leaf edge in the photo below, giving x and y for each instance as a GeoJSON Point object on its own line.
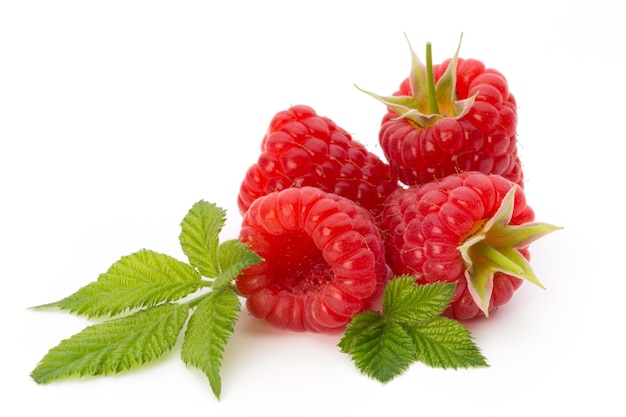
{"type": "Point", "coordinates": [90, 351]}
{"type": "Point", "coordinates": [212, 333]}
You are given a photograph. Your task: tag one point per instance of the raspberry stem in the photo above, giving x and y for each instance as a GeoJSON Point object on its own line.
{"type": "Point", "coordinates": [428, 101]}
{"type": "Point", "coordinates": [433, 106]}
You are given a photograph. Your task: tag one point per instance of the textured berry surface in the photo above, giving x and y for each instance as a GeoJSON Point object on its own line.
{"type": "Point", "coordinates": [324, 259]}
{"type": "Point", "coordinates": [426, 227]}
{"type": "Point", "coordinates": [302, 148]}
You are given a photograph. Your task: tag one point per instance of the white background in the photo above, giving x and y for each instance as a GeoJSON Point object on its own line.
{"type": "Point", "coordinates": [117, 116]}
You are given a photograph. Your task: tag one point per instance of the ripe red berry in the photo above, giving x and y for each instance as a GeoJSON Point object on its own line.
{"type": "Point", "coordinates": [447, 118]}
{"type": "Point", "coordinates": [470, 228]}
{"type": "Point", "coordinates": [323, 259]}
{"type": "Point", "coordinates": [301, 148]}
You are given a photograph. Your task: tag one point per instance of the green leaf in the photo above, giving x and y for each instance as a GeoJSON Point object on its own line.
{"type": "Point", "coordinates": [142, 279]}
{"type": "Point", "coordinates": [115, 345]}
{"type": "Point", "coordinates": [409, 329]}
{"type": "Point", "coordinates": [384, 351]}
{"type": "Point", "coordinates": [445, 343]}
{"type": "Point", "coordinates": [150, 281]}
{"type": "Point", "coordinates": [403, 301]}
{"type": "Point", "coordinates": [234, 256]}
{"type": "Point", "coordinates": [360, 324]}
{"type": "Point", "coordinates": [209, 329]}
{"type": "Point", "coordinates": [199, 236]}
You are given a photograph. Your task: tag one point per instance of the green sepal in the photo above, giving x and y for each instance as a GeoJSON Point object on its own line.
{"type": "Point", "coordinates": [494, 248]}
{"type": "Point", "coordinates": [429, 102]}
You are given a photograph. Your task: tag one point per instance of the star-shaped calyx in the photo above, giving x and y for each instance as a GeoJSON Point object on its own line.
{"type": "Point", "coordinates": [494, 247]}
{"type": "Point", "coordinates": [429, 101]}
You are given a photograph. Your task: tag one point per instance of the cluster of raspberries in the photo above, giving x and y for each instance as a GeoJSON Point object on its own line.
{"type": "Point", "coordinates": [334, 222]}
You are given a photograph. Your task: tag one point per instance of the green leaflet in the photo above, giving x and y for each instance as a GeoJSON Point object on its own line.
{"type": "Point", "coordinates": [199, 239]}
{"type": "Point", "coordinates": [402, 302]}
{"type": "Point", "coordinates": [234, 256]}
{"type": "Point", "coordinates": [142, 279]}
{"type": "Point", "coordinates": [359, 325]}
{"type": "Point", "coordinates": [208, 331]}
{"type": "Point", "coordinates": [115, 345]}
{"type": "Point", "coordinates": [199, 236]}
{"type": "Point", "coordinates": [445, 343]}
{"type": "Point", "coordinates": [409, 329]}
{"type": "Point", "coordinates": [384, 351]}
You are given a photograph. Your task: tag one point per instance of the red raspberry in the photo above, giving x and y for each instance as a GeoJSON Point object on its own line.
{"type": "Point", "coordinates": [466, 122]}
{"type": "Point", "coordinates": [470, 228]}
{"type": "Point", "coordinates": [301, 148]}
{"type": "Point", "coordinates": [324, 259]}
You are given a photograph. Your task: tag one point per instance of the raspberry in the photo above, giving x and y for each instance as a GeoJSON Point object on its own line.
{"type": "Point", "coordinates": [447, 118]}
{"type": "Point", "coordinates": [470, 228]}
{"type": "Point", "coordinates": [323, 262]}
{"type": "Point", "coordinates": [301, 148]}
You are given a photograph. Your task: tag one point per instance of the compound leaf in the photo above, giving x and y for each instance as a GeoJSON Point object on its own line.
{"type": "Point", "coordinates": [409, 329]}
